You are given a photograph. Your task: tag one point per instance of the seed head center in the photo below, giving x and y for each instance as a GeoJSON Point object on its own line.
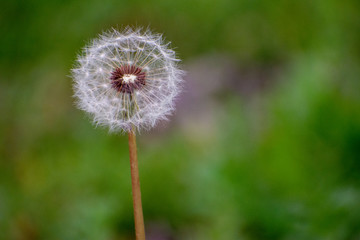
{"type": "Point", "coordinates": [129, 78]}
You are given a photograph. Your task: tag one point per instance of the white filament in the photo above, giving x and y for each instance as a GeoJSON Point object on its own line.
{"type": "Point", "coordinates": [129, 78]}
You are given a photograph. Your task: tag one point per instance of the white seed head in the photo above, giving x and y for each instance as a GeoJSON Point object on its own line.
{"type": "Point", "coordinates": [127, 80]}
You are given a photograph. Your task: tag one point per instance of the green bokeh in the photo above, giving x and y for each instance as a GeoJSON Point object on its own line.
{"type": "Point", "coordinates": [272, 151]}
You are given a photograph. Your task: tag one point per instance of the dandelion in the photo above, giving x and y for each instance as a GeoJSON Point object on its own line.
{"type": "Point", "coordinates": [128, 81]}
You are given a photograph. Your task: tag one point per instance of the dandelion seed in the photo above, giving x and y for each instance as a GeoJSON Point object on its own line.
{"type": "Point", "coordinates": [136, 68]}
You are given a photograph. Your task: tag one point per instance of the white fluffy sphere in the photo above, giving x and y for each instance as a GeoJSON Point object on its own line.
{"type": "Point", "coordinates": [127, 80]}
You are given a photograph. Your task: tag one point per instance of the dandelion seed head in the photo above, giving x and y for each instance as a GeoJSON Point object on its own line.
{"type": "Point", "coordinates": [127, 79]}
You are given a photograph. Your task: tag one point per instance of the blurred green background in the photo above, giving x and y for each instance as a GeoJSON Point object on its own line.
{"type": "Point", "coordinates": [265, 143]}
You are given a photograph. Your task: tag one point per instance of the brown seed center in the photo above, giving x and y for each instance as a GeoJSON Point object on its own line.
{"type": "Point", "coordinates": [127, 78]}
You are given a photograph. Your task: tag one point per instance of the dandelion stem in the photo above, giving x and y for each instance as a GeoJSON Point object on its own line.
{"type": "Point", "coordinates": [136, 192]}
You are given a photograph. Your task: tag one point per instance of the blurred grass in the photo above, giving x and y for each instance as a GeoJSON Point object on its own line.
{"type": "Point", "coordinates": [281, 161]}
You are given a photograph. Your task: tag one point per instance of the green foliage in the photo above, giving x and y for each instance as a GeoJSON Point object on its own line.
{"type": "Point", "coordinates": [283, 163]}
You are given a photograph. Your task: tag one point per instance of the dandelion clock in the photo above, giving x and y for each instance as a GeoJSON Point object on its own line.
{"type": "Point", "coordinates": [127, 81]}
